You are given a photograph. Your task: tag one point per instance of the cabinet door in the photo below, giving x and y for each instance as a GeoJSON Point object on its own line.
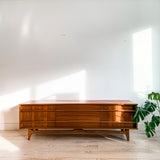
{"type": "Point", "coordinates": [38, 116]}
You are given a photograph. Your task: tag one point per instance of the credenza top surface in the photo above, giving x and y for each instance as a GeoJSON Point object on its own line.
{"type": "Point", "coordinates": [113, 102]}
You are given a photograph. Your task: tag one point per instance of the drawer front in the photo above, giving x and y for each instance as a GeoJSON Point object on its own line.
{"type": "Point", "coordinates": [81, 116]}
{"type": "Point", "coordinates": [51, 107]}
{"type": "Point", "coordinates": [25, 125]}
{"type": "Point", "coordinates": [125, 107]}
{"type": "Point", "coordinates": [37, 116]}
{"type": "Point", "coordinates": [77, 118]}
{"type": "Point", "coordinates": [25, 108]}
{"type": "Point", "coordinates": [25, 116]}
{"type": "Point", "coordinates": [79, 113]}
{"type": "Point", "coordinates": [77, 125]}
{"type": "Point", "coordinates": [51, 116]}
{"type": "Point", "coordinates": [33, 125]}
{"type": "Point", "coordinates": [43, 116]}
{"type": "Point", "coordinates": [77, 107]}
{"type": "Point", "coordinates": [37, 107]}
{"type": "Point", "coordinates": [117, 116]}
{"type": "Point", "coordinates": [110, 107]}
{"type": "Point", "coordinates": [119, 107]}
{"type": "Point", "coordinates": [118, 125]}
{"type": "Point", "coordinates": [40, 125]}
{"type": "Point", "coordinates": [51, 124]}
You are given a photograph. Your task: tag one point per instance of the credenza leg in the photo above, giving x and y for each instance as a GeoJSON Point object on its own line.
{"type": "Point", "coordinates": [29, 134]}
{"type": "Point", "coordinates": [127, 134]}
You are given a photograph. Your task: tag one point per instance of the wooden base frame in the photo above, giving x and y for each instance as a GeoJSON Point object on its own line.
{"type": "Point", "coordinates": [79, 131]}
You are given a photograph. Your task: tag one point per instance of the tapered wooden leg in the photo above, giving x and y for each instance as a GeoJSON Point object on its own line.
{"type": "Point", "coordinates": [29, 134]}
{"type": "Point", "coordinates": [127, 134]}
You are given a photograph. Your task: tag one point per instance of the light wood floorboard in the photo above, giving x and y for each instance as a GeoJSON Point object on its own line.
{"type": "Point", "coordinates": [15, 146]}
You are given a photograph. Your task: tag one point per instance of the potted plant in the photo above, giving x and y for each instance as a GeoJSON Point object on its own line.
{"type": "Point", "coordinates": [149, 113]}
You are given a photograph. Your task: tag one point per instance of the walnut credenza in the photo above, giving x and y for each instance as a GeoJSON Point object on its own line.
{"type": "Point", "coordinates": [92, 116]}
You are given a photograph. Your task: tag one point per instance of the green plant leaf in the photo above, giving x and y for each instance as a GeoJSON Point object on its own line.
{"type": "Point", "coordinates": [150, 130]}
{"type": "Point", "coordinates": [156, 120]}
{"type": "Point", "coordinates": [150, 107]}
{"type": "Point", "coordinates": [139, 115]}
{"type": "Point", "coordinates": [150, 96]}
{"type": "Point", "coordinates": [152, 124]}
{"type": "Point", "coordinates": [154, 96]}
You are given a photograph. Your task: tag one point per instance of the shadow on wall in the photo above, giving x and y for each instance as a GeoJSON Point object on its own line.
{"type": "Point", "coordinates": [69, 87]}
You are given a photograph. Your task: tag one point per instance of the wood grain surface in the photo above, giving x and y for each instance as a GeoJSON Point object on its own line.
{"type": "Point", "coordinates": [79, 115]}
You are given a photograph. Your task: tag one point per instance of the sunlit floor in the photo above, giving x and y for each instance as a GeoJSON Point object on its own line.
{"type": "Point", "coordinates": [15, 146]}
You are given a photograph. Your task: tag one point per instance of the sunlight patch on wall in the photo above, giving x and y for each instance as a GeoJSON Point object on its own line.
{"type": "Point", "coordinates": [142, 61]}
{"type": "Point", "coordinates": [72, 84]}
{"type": "Point", "coordinates": [13, 99]}
{"type": "Point", "coordinates": [8, 102]}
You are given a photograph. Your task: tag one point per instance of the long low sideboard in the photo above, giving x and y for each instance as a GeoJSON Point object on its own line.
{"type": "Point", "coordinates": [68, 116]}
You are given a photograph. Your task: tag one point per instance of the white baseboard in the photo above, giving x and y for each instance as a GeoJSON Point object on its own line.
{"type": "Point", "coordinates": [9, 126]}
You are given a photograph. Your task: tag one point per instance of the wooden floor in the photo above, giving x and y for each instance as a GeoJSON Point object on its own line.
{"type": "Point", "coordinates": [15, 146]}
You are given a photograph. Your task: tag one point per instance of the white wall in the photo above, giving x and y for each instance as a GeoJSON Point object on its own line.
{"type": "Point", "coordinates": [76, 49]}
